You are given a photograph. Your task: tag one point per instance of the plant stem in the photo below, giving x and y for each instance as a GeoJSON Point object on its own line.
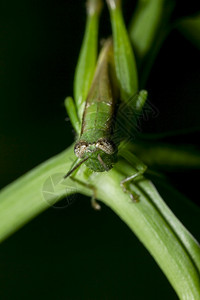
{"type": "Point", "coordinates": [172, 246]}
{"type": "Point", "coordinates": [23, 199]}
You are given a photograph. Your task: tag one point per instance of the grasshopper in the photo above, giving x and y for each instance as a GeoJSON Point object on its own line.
{"type": "Point", "coordinates": [109, 82]}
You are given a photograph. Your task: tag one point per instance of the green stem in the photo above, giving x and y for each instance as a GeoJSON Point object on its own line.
{"type": "Point", "coordinates": [23, 199]}
{"type": "Point", "coordinates": [172, 246]}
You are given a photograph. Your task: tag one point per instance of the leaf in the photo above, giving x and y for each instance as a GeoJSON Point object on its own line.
{"type": "Point", "coordinates": [88, 55]}
{"type": "Point", "coordinates": [167, 157]}
{"type": "Point", "coordinates": [190, 28]}
{"type": "Point", "coordinates": [125, 64]}
{"type": "Point", "coordinates": [148, 29]}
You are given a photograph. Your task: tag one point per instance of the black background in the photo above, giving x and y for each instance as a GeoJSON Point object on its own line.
{"type": "Point", "coordinates": [77, 253]}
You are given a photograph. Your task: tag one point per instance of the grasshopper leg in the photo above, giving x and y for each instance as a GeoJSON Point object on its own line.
{"type": "Point", "coordinates": [139, 168]}
{"type": "Point", "coordinates": [94, 203]}
{"type": "Point", "coordinates": [134, 197]}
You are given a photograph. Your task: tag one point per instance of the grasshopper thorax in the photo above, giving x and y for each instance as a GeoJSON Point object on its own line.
{"type": "Point", "coordinates": [101, 154]}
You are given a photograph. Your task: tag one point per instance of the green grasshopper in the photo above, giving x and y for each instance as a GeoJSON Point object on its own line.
{"type": "Point", "coordinates": [109, 82]}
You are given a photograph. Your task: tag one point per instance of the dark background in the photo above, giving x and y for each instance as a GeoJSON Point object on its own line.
{"type": "Point", "coordinates": [77, 253]}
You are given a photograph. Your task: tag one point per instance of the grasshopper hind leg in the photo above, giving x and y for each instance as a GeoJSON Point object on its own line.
{"type": "Point", "coordinates": [125, 186]}
{"type": "Point", "coordinates": [136, 167]}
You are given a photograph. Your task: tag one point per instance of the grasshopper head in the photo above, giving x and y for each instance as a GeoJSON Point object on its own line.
{"type": "Point", "coordinates": [101, 154]}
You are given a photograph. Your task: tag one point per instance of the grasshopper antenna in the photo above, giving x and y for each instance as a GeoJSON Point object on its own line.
{"type": "Point", "coordinates": [102, 162]}
{"type": "Point", "coordinates": [76, 167]}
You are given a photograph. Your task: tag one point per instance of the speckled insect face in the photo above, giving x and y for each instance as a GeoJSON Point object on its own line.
{"type": "Point", "coordinates": [81, 148]}
{"type": "Point", "coordinates": [101, 154]}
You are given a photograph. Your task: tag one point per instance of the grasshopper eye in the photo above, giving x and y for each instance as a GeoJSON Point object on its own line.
{"type": "Point", "coordinates": [106, 146]}
{"type": "Point", "coordinates": [80, 148]}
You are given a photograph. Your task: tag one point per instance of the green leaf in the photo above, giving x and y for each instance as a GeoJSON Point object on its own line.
{"type": "Point", "coordinates": [167, 157]}
{"type": "Point", "coordinates": [148, 29]}
{"type": "Point", "coordinates": [88, 55]}
{"type": "Point", "coordinates": [190, 28]}
{"type": "Point", "coordinates": [125, 64]}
